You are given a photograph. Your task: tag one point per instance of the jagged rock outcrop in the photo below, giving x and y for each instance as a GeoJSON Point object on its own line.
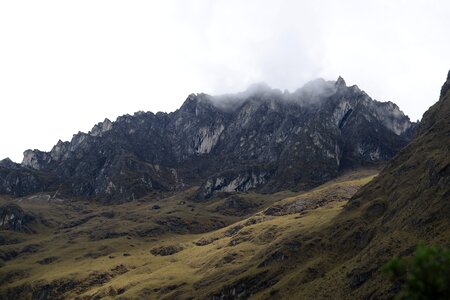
{"type": "Point", "coordinates": [261, 138]}
{"type": "Point", "coordinates": [12, 217]}
{"type": "Point", "coordinates": [19, 181]}
{"type": "Point", "coordinates": [233, 182]}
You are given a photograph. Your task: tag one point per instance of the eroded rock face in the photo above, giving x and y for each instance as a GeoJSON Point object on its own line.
{"type": "Point", "coordinates": [259, 139]}
{"type": "Point", "coordinates": [233, 182]}
{"type": "Point", "coordinates": [20, 181]}
{"type": "Point", "coordinates": [12, 217]}
{"type": "Point", "coordinates": [35, 159]}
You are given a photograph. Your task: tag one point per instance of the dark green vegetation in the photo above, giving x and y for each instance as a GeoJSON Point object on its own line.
{"type": "Point", "coordinates": [424, 276]}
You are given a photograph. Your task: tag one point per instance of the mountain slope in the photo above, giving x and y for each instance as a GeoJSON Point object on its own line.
{"type": "Point", "coordinates": [261, 139]}
{"type": "Point", "coordinates": [408, 202]}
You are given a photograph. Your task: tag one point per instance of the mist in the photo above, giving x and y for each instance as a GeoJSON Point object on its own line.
{"type": "Point", "coordinates": [65, 66]}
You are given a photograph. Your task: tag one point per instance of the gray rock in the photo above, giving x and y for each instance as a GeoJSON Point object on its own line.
{"type": "Point", "coordinates": [12, 217]}
{"type": "Point", "coordinates": [260, 139]}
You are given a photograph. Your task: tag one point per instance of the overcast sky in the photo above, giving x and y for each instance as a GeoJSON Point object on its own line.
{"type": "Point", "coordinates": [66, 65]}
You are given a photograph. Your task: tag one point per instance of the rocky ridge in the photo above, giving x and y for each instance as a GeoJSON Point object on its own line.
{"type": "Point", "coordinates": [261, 138]}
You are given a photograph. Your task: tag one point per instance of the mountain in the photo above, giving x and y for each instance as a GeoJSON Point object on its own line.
{"type": "Point", "coordinates": [260, 139]}
{"type": "Point", "coordinates": [408, 202]}
{"type": "Point", "coordinates": [328, 242]}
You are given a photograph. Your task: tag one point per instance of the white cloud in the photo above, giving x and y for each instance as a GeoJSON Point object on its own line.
{"type": "Point", "coordinates": [65, 66]}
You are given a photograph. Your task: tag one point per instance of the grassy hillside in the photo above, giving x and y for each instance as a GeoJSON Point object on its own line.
{"type": "Point", "coordinates": [172, 248]}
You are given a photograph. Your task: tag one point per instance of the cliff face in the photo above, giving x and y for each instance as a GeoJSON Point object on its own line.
{"type": "Point", "coordinates": [19, 181]}
{"type": "Point", "coordinates": [261, 138]}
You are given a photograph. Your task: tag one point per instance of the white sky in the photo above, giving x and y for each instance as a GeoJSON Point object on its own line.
{"type": "Point", "coordinates": [66, 65]}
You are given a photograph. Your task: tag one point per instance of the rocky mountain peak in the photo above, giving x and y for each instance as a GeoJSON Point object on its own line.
{"type": "Point", "coordinates": [8, 163]}
{"type": "Point", "coordinates": [196, 104]}
{"type": "Point", "coordinates": [438, 115]}
{"type": "Point", "coordinates": [446, 85]}
{"type": "Point", "coordinates": [101, 127]}
{"type": "Point", "coordinates": [340, 82]}
{"type": "Point", "coordinates": [259, 139]}
{"type": "Point", "coordinates": [35, 159]}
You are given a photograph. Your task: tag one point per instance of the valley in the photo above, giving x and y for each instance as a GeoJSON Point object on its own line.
{"type": "Point", "coordinates": [171, 248]}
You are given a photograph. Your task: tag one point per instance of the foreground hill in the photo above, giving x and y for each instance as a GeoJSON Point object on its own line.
{"type": "Point", "coordinates": [261, 139]}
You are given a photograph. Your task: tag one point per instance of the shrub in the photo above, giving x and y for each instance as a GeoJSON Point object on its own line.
{"type": "Point", "coordinates": [426, 275]}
